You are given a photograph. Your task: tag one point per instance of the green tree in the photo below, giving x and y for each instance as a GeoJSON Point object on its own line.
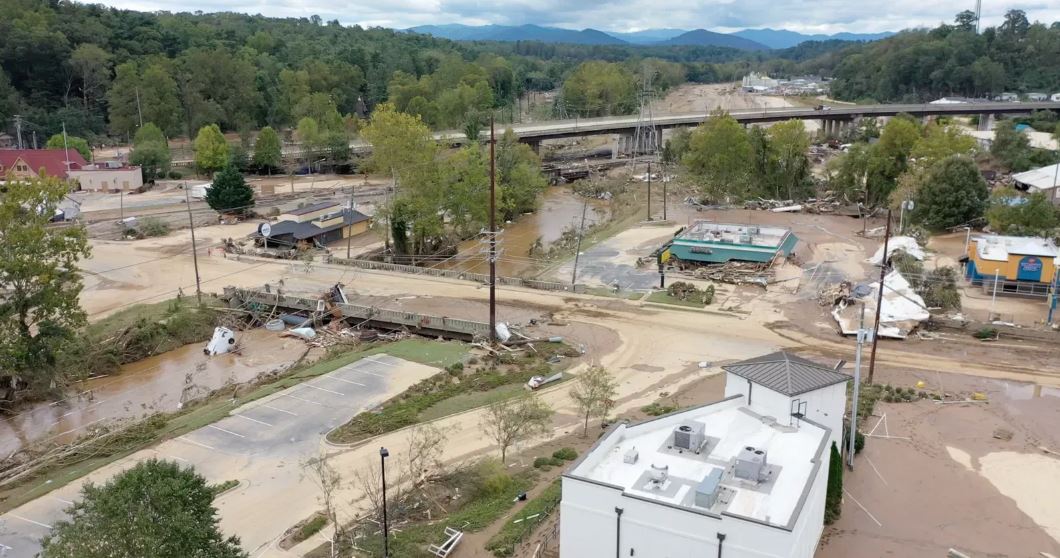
{"type": "Point", "coordinates": [519, 176]}
{"type": "Point", "coordinates": [39, 311]}
{"type": "Point", "coordinates": [889, 158]}
{"type": "Point", "coordinates": [512, 421]}
{"type": "Point", "coordinates": [676, 146]}
{"type": "Point", "coordinates": [1010, 147]}
{"type": "Point", "coordinates": [719, 155]}
{"type": "Point", "coordinates": [310, 134]}
{"type": "Point", "coordinates": [965, 20]}
{"type": "Point", "coordinates": [952, 193]}
{"type": "Point", "coordinates": [599, 88]}
{"type": "Point", "coordinates": [73, 142]}
{"type": "Point", "coordinates": [848, 172]}
{"type": "Point", "coordinates": [229, 192]}
{"type": "Point", "coordinates": [92, 65]}
{"type": "Point", "coordinates": [789, 145]}
{"type": "Point", "coordinates": [153, 510]}
{"type": "Point", "coordinates": [833, 498]}
{"type": "Point", "coordinates": [1031, 215]}
{"type": "Point", "coordinates": [211, 149]}
{"type": "Point", "coordinates": [940, 141]}
{"type": "Point", "coordinates": [268, 152]}
{"type": "Point", "coordinates": [594, 392]}
{"type": "Point", "coordinates": [151, 152]}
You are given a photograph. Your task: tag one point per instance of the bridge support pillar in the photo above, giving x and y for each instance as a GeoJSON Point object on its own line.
{"type": "Point", "coordinates": [624, 145]}
{"type": "Point", "coordinates": [535, 145]}
{"type": "Point", "coordinates": [986, 122]}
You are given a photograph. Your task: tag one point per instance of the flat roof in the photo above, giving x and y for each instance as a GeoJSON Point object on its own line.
{"type": "Point", "coordinates": [997, 248]}
{"type": "Point", "coordinates": [704, 232]}
{"type": "Point", "coordinates": [312, 208]}
{"type": "Point", "coordinates": [792, 456]}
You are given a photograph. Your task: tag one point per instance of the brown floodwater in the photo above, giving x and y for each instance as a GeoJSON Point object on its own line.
{"type": "Point", "coordinates": [560, 209]}
{"type": "Point", "coordinates": [157, 384]}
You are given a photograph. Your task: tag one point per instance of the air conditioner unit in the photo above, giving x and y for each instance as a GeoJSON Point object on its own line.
{"type": "Point", "coordinates": [689, 436]}
{"type": "Point", "coordinates": [631, 456]}
{"type": "Point", "coordinates": [708, 489]}
{"type": "Point", "coordinates": [750, 464]}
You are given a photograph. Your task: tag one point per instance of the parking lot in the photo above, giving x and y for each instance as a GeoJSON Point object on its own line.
{"type": "Point", "coordinates": [261, 444]}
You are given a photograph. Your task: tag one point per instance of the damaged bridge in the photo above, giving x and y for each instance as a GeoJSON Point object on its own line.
{"type": "Point", "coordinates": [322, 308]}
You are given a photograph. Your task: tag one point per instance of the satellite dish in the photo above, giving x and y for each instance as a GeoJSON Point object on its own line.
{"type": "Point", "coordinates": [265, 229]}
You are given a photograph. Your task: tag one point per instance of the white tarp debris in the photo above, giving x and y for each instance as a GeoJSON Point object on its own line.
{"type": "Point", "coordinates": [303, 332]}
{"type": "Point", "coordinates": [223, 340]}
{"type": "Point", "coordinates": [906, 244]}
{"type": "Point", "coordinates": [787, 209]}
{"type": "Point", "coordinates": [503, 334]}
{"type": "Point", "coordinates": [902, 310]}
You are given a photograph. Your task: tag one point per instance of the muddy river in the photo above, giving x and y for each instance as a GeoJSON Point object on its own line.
{"type": "Point", "coordinates": [560, 209]}
{"type": "Point", "coordinates": [157, 384]}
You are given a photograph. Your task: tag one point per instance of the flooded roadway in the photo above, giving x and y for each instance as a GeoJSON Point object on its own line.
{"type": "Point", "coordinates": [157, 384]}
{"type": "Point", "coordinates": [560, 209]}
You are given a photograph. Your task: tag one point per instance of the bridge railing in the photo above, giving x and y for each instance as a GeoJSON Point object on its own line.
{"type": "Point", "coordinates": [461, 275]}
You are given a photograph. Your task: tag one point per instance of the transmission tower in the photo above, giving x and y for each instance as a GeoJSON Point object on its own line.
{"type": "Point", "coordinates": [646, 137]}
{"type": "Point", "coordinates": [978, 14]}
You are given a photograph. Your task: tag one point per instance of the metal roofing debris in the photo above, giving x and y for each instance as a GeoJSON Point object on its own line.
{"type": "Point", "coordinates": [786, 373]}
{"type": "Point", "coordinates": [1044, 178]}
{"type": "Point", "coordinates": [905, 244]}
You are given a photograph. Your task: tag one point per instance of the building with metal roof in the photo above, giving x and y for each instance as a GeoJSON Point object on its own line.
{"type": "Point", "coordinates": [741, 477]}
{"type": "Point", "coordinates": [1019, 264]}
{"type": "Point", "coordinates": [1044, 179]}
{"type": "Point", "coordinates": [328, 223]}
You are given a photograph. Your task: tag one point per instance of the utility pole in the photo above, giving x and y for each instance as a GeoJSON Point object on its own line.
{"type": "Point", "coordinates": [649, 190]}
{"type": "Point", "coordinates": [862, 333]}
{"type": "Point", "coordinates": [578, 249]}
{"type": "Point", "coordinates": [664, 181]}
{"type": "Point", "coordinates": [879, 298]}
{"type": "Point", "coordinates": [194, 251]}
{"type": "Point", "coordinates": [493, 236]}
{"type": "Point", "coordinates": [139, 112]}
{"type": "Point", "coordinates": [993, 297]}
{"type": "Point", "coordinates": [66, 149]}
{"type": "Point", "coordinates": [349, 233]}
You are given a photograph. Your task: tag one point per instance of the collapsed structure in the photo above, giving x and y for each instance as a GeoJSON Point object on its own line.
{"type": "Point", "coordinates": [746, 474]}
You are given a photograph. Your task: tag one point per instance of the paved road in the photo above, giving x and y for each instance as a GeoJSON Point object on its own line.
{"type": "Point", "coordinates": [261, 444]}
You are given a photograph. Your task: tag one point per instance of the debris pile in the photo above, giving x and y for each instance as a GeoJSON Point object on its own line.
{"type": "Point", "coordinates": [901, 313]}
{"type": "Point", "coordinates": [736, 273]}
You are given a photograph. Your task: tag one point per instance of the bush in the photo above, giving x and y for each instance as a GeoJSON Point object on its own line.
{"type": "Point", "coordinates": [657, 409]}
{"type": "Point", "coordinates": [565, 453]}
{"type": "Point", "coordinates": [859, 442]}
{"type": "Point", "coordinates": [472, 360]}
{"type": "Point", "coordinates": [491, 479]}
{"type": "Point", "coordinates": [986, 333]}
{"type": "Point", "coordinates": [455, 369]}
{"type": "Point", "coordinates": [175, 174]}
{"type": "Point", "coordinates": [542, 462]}
{"type": "Point", "coordinates": [555, 462]}
{"type": "Point", "coordinates": [153, 226]}
{"type": "Point", "coordinates": [310, 528]}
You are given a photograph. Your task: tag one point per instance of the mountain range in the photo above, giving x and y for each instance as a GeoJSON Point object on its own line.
{"type": "Point", "coordinates": [748, 39]}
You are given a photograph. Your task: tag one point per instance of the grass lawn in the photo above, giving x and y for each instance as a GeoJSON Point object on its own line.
{"type": "Point", "coordinates": [533, 513]}
{"type": "Point", "coordinates": [217, 407]}
{"type": "Point", "coordinates": [663, 297]}
{"type": "Point", "coordinates": [610, 293]}
{"type": "Point", "coordinates": [467, 401]}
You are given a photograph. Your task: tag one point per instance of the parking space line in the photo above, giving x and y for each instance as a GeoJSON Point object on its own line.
{"type": "Point", "coordinates": [296, 398]}
{"type": "Point", "coordinates": [347, 381]}
{"type": "Point", "coordinates": [323, 389]}
{"type": "Point", "coordinates": [252, 419]}
{"type": "Point", "coordinates": [170, 456]}
{"type": "Point", "coordinates": [370, 359]}
{"type": "Point", "coordinates": [863, 508]}
{"type": "Point", "coordinates": [190, 441]}
{"type": "Point", "coordinates": [58, 499]}
{"type": "Point", "coordinates": [279, 410]}
{"type": "Point", "coordinates": [38, 523]}
{"type": "Point", "coordinates": [225, 431]}
{"type": "Point", "coordinates": [377, 375]}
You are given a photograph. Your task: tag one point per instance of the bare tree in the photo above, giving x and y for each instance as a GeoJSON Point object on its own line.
{"type": "Point", "coordinates": [515, 420]}
{"type": "Point", "coordinates": [368, 478]}
{"type": "Point", "coordinates": [424, 458]}
{"type": "Point", "coordinates": [594, 391]}
{"type": "Point", "coordinates": [329, 481]}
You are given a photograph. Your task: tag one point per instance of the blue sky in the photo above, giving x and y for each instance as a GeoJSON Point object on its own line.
{"type": "Point", "coordinates": [808, 16]}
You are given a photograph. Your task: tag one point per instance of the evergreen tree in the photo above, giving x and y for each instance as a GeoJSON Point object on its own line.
{"type": "Point", "coordinates": [833, 499]}
{"type": "Point", "coordinates": [229, 192]}
{"type": "Point", "coordinates": [952, 192]}
{"type": "Point", "coordinates": [211, 149]}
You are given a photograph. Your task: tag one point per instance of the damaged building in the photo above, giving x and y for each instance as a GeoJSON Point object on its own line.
{"type": "Point", "coordinates": [714, 243]}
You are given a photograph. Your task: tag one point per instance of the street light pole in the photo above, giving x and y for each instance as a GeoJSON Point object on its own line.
{"type": "Point", "coordinates": [383, 454]}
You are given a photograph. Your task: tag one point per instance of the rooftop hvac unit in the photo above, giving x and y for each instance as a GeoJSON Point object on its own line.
{"type": "Point", "coordinates": [745, 239]}
{"type": "Point", "coordinates": [708, 489]}
{"type": "Point", "coordinates": [689, 436]}
{"type": "Point", "coordinates": [659, 474]}
{"type": "Point", "coordinates": [750, 464]}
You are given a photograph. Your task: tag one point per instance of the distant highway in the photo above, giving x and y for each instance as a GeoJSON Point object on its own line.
{"type": "Point", "coordinates": [558, 129]}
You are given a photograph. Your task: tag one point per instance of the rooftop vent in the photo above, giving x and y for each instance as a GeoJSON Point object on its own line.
{"type": "Point", "coordinates": [689, 436]}
{"type": "Point", "coordinates": [659, 475]}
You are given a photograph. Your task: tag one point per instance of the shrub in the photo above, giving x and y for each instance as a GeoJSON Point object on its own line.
{"type": "Point", "coordinates": [986, 333]}
{"type": "Point", "coordinates": [310, 528]}
{"type": "Point", "coordinates": [455, 369]}
{"type": "Point", "coordinates": [541, 462]}
{"type": "Point", "coordinates": [859, 442]}
{"type": "Point", "coordinates": [657, 409]}
{"type": "Point", "coordinates": [565, 453]}
{"type": "Point", "coordinates": [153, 226]}
{"type": "Point", "coordinates": [472, 360]}
{"type": "Point", "coordinates": [175, 174]}
{"type": "Point", "coordinates": [491, 479]}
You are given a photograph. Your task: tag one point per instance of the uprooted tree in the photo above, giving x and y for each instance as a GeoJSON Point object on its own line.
{"type": "Point", "coordinates": [515, 420]}
{"type": "Point", "coordinates": [39, 310]}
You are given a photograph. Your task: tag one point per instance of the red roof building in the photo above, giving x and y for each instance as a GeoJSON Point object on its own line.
{"type": "Point", "coordinates": [23, 163]}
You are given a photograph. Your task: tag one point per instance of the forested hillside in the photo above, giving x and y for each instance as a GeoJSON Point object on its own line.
{"type": "Point", "coordinates": [922, 65]}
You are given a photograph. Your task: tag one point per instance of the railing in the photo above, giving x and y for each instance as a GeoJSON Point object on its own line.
{"type": "Point", "coordinates": [357, 311]}
{"type": "Point", "coordinates": [463, 275]}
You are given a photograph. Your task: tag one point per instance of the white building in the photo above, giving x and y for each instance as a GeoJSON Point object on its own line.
{"type": "Point", "coordinates": [744, 477]}
{"type": "Point", "coordinates": [107, 178]}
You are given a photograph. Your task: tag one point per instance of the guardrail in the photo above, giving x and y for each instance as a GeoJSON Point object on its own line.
{"type": "Point", "coordinates": [411, 320]}
{"type": "Point", "coordinates": [462, 275]}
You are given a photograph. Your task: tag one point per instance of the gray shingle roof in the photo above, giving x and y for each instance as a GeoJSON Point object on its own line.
{"type": "Point", "coordinates": [786, 373]}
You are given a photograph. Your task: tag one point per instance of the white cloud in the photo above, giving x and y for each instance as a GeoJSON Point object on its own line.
{"type": "Point", "coordinates": [810, 16]}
